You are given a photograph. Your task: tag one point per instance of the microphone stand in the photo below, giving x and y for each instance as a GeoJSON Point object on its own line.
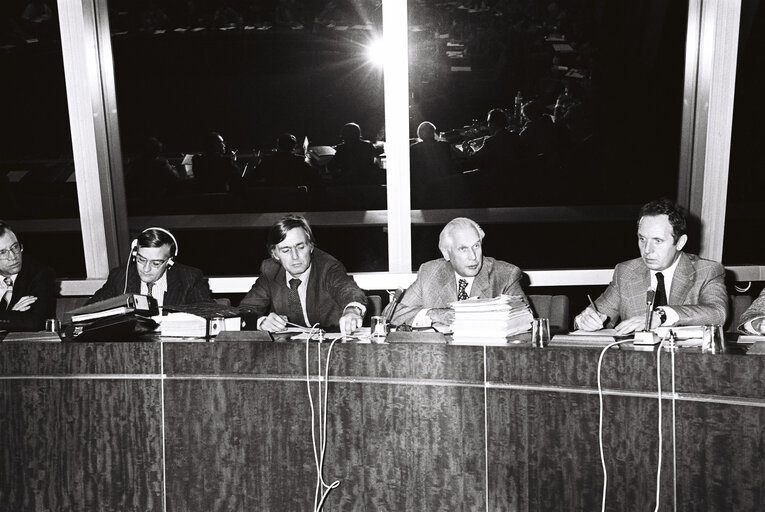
{"type": "Point", "coordinates": [646, 336]}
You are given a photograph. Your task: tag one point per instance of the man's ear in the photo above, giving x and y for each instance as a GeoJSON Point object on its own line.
{"type": "Point", "coordinates": [681, 242]}
{"type": "Point", "coordinates": [445, 254]}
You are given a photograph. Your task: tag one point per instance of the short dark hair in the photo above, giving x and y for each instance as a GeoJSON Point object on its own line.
{"type": "Point", "coordinates": [278, 231]}
{"type": "Point", "coordinates": [156, 238]}
{"type": "Point", "coordinates": [5, 227]}
{"type": "Point", "coordinates": [286, 142]}
{"type": "Point", "coordinates": [672, 210]}
{"type": "Point", "coordinates": [497, 118]}
{"type": "Point", "coordinates": [350, 131]}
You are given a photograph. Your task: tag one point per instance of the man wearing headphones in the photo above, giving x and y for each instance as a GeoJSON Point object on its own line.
{"type": "Point", "coordinates": [156, 273]}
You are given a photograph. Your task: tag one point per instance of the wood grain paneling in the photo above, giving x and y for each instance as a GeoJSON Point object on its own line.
{"type": "Point", "coordinates": [405, 447]}
{"type": "Point", "coordinates": [80, 445]}
{"type": "Point", "coordinates": [21, 358]}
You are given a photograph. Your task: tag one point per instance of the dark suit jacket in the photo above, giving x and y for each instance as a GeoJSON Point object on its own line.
{"type": "Point", "coordinates": [756, 310]}
{"type": "Point", "coordinates": [185, 285]}
{"type": "Point", "coordinates": [281, 168]}
{"type": "Point", "coordinates": [436, 286]}
{"type": "Point", "coordinates": [34, 279]}
{"type": "Point", "coordinates": [329, 290]}
{"type": "Point", "coordinates": [698, 292]}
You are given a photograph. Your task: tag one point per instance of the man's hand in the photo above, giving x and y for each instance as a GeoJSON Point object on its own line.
{"type": "Point", "coordinates": [758, 324]}
{"type": "Point", "coordinates": [590, 320]}
{"type": "Point", "coordinates": [441, 316]}
{"type": "Point", "coordinates": [350, 321]}
{"type": "Point", "coordinates": [636, 323]}
{"type": "Point", "coordinates": [273, 322]}
{"type": "Point", "coordinates": [24, 303]}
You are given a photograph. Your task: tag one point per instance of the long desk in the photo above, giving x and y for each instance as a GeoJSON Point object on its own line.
{"type": "Point", "coordinates": [195, 426]}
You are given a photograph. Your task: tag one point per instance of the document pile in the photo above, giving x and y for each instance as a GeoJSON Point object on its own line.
{"type": "Point", "coordinates": [489, 321]}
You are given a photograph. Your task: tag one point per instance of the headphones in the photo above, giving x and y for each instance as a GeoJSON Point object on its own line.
{"type": "Point", "coordinates": [134, 245]}
{"type": "Point", "coordinates": [134, 251]}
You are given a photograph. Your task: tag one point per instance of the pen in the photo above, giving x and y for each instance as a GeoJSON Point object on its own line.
{"type": "Point", "coordinates": [592, 304]}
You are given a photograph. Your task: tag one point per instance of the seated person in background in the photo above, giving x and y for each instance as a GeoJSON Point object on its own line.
{"type": "Point", "coordinates": [753, 319]}
{"type": "Point", "coordinates": [156, 273]}
{"type": "Point", "coordinates": [354, 160]}
{"type": "Point", "coordinates": [689, 290]}
{"type": "Point", "coordinates": [500, 149]}
{"type": "Point", "coordinates": [538, 134]}
{"type": "Point", "coordinates": [283, 167]}
{"type": "Point", "coordinates": [463, 272]}
{"type": "Point", "coordinates": [430, 160]}
{"type": "Point", "coordinates": [301, 284]}
{"type": "Point", "coordinates": [28, 288]}
{"type": "Point", "coordinates": [150, 177]}
{"type": "Point", "coordinates": [214, 169]}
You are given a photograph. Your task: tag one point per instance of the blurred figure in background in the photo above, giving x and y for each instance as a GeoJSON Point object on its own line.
{"type": "Point", "coordinates": [215, 169]}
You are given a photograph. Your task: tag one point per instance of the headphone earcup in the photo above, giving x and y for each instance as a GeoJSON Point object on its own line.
{"type": "Point", "coordinates": [170, 262]}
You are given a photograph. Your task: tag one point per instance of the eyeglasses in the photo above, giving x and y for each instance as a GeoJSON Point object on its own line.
{"type": "Point", "coordinates": [15, 249]}
{"type": "Point", "coordinates": [155, 264]}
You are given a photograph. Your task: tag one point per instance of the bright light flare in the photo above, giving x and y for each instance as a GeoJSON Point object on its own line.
{"type": "Point", "coordinates": [376, 52]}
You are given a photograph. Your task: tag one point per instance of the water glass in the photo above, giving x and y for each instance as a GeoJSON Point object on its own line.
{"type": "Point", "coordinates": [379, 328]}
{"type": "Point", "coordinates": [712, 340]}
{"type": "Point", "coordinates": [540, 332]}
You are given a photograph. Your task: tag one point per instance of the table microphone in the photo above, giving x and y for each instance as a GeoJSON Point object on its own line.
{"type": "Point", "coordinates": [646, 337]}
{"type": "Point", "coordinates": [393, 303]}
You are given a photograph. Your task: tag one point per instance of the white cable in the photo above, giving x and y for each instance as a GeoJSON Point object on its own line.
{"type": "Point", "coordinates": [600, 426]}
{"type": "Point", "coordinates": [674, 443]}
{"type": "Point", "coordinates": [658, 468]}
{"type": "Point", "coordinates": [318, 453]}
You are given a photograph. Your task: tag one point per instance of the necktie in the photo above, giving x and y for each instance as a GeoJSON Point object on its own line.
{"type": "Point", "coordinates": [661, 292]}
{"type": "Point", "coordinates": [295, 313]}
{"type": "Point", "coordinates": [149, 286]}
{"type": "Point", "coordinates": [8, 292]}
{"type": "Point", "coordinates": [461, 293]}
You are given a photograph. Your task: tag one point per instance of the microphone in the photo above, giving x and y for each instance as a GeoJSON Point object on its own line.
{"type": "Point", "coordinates": [394, 303]}
{"type": "Point", "coordinates": [649, 296]}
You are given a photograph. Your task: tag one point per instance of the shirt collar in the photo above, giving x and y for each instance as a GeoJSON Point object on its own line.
{"type": "Point", "coordinates": [303, 277]}
{"type": "Point", "coordinates": [2, 280]}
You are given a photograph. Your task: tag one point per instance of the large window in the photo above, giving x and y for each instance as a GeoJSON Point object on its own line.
{"type": "Point", "coordinates": [591, 93]}
{"type": "Point", "coordinates": [236, 110]}
{"type": "Point", "coordinates": [36, 167]}
{"type": "Point", "coordinates": [745, 215]}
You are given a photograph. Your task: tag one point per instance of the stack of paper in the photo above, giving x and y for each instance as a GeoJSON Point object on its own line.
{"type": "Point", "coordinates": [490, 321]}
{"type": "Point", "coordinates": [183, 325]}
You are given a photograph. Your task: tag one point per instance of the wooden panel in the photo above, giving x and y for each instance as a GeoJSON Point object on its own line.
{"type": "Point", "coordinates": [237, 446]}
{"type": "Point", "coordinates": [25, 358]}
{"type": "Point", "coordinates": [720, 452]}
{"type": "Point", "coordinates": [410, 361]}
{"type": "Point", "coordinates": [544, 454]}
{"type": "Point", "coordinates": [80, 445]}
{"type": "Point", "coordinates": [410, 447]}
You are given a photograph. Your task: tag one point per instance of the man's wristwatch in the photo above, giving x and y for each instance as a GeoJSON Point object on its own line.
{"type": "Point", "coordinates": [355, 309]}
{"type": "Point", "coordinates": [662, 315]}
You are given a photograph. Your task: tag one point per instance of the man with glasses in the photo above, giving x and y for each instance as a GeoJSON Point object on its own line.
{"type": "Point", "coordinates": [28, 288]}
{"type": "Point", "coordinates": [155, 273]}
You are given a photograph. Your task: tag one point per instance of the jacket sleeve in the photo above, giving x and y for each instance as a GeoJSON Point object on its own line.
{"type": "Point", "coordinates": [513, 284]}
{"type": "Point", "coordinates": [712, 305]}
{"type": "Point", "coordinates": [412, 301]}
{"type": "Point", "coordinates": [113, 287]}
{"type": "Point", "coordinates": [199, 289]}
{"type": "Point", "coordinates": [258, 300]}
{"type": "Point", "coordinates": [342, 287]}
{"type": "Point", "coordinates": [609, 302]}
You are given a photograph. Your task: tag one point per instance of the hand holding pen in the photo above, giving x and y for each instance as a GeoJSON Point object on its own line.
{"type": "Point", "coordinates": [591, 319]}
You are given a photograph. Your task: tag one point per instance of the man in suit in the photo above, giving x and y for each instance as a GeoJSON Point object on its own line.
{"type": "Point", "coordinates": [752, 320]}
{"type": "Point", "coordinates": [301, 284]}
{"type": "Point", "coordinates": [156, 273]}
{"type": "Point", "coordinates": [27, 288]}
{"type": "Point", "coordinates": [689, 290]}
{"type": "Point", "coordinates": [462, 272]}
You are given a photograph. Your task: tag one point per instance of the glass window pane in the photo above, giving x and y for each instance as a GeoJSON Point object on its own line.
{"type": "Point", "coordinates": [240, 109]}
{"type": "Point", "coordinates": [586, 107]}
{"type": "Point", "coordinates": [744, 212]}
{"type": "Point", "coordinates": [37, 188]}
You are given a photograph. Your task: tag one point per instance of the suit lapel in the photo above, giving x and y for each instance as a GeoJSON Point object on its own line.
{"type": "Point", "coordinates": [280, 291]}
{"type": "Point", "coordinates": [481, 286]}
{"type": "Point", "coordinates": [639, 282]}
{"type": "Point", "coordinates": [170, 297]}
{"type": "Point", "coordinates": [446, 284]}
{"type": "Point", "coordinates": [682, 281]}
{"type": "Point", "coordinates": [312, 301]}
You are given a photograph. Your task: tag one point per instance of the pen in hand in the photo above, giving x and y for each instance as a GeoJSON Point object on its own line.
{"type": "Point", "coordinates": [592, 304]}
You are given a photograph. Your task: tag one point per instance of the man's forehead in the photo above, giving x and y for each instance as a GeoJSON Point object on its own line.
{"type": "Point", "coordinates": [295, 236]}
{"type": "Point", "coordinates": [465, 235]}
{"type": "Point", "coordinates": [654, 223]}
{"type": "Point", "coordinates": [162, 251]}
{"type": "Point", "coordinates": [8, 239]}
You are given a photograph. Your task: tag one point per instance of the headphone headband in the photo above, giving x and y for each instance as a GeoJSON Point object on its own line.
{"type": "Point", "coordinates": [163, 230]}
